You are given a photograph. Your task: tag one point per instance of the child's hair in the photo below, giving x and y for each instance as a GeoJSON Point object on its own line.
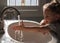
{"type": "Point", "coordinates": [53, 10]}
{"type": "Point", "coordinates": [55, 7]}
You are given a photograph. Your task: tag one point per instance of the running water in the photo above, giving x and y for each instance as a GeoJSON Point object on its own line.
{"type": "Point", "coordinates": [19, 20]}
{"type": "Point", "coordinates": [19, 33]}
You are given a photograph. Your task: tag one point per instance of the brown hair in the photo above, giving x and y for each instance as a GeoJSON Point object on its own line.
{"type": "Point", "coordinates": [55, 8]}
{"type": "Point", "coordinates": [52, 12]}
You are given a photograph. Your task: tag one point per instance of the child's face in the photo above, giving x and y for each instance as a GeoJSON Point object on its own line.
{"type": "Point", "coordinates": [50, 16]}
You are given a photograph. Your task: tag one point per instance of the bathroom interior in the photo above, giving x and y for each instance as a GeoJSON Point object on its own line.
{"type": "Point", "coordinates": [30, 14]}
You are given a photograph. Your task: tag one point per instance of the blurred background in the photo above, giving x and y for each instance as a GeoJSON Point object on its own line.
{"type": "Point", "coordinates": [29, 9]}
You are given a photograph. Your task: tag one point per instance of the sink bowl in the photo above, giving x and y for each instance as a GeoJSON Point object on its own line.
{"type": "Point", "coordinates": [29, 37]}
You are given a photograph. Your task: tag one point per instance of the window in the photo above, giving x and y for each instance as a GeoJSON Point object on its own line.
{"type": "Point", "coordinates": [22, 2]}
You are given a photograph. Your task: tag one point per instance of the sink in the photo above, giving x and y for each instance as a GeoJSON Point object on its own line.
{"type": "Point", "coordinates": [29, 37]}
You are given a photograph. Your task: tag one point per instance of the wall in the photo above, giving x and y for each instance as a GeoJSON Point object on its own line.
{"type": "Point", "coordinates": [2, 5]}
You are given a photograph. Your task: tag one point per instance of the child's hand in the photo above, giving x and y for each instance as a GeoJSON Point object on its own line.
{"type": "Point", "coordinates": [42, 22]}
{"type": "Point", "coordinates": [44, 27]}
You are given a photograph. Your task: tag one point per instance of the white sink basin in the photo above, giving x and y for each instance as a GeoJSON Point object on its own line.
{"type": "Point", "coordinates": [29, 37]}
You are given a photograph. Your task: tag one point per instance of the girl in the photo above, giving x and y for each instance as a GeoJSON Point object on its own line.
{"type": "Point", "coordinates": [51, 12]}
